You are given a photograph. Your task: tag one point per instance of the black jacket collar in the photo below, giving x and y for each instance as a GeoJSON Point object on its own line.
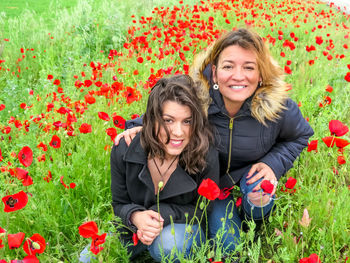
{"type": "Point", "coordinates": [180, 181]}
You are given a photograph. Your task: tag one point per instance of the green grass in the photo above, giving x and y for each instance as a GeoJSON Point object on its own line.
{"type": "Point", "coordinates": [64, 46]}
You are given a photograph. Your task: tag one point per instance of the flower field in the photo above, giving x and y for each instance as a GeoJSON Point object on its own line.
{"type": "Point", "coordinates": [66, 91]}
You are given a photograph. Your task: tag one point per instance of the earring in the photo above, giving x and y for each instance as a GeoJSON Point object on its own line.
{"type": "Point", "coordinates": [260, 83]}
{"type": "Point", "coordinates": [216, 86]}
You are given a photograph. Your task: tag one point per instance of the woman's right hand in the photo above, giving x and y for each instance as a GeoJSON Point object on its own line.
{"type": "Point", "coordinates": [149, 224]}
{"type": "Point", "coordinates": [128, 135]}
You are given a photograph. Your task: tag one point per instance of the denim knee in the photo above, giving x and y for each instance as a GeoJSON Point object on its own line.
{"type": "Point", "coordinates": [255, 212]}
{"type": "Point", "coordinates": [181, 239]}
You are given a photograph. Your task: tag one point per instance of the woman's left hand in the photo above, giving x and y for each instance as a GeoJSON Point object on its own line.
{"type": "Point", "coordinates": [265, 172]}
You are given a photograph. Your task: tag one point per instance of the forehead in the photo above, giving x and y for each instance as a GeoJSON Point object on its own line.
{"type": "Point", "coordinates": [175, 109]}
{"type": "Point", "coordinates": [235, 53]}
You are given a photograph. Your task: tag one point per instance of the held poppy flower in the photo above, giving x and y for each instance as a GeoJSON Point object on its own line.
{"type": "Point", "coordinates": [337, 128]}
{"type": "Point", "coordinates": [267, 186]}
{"type": "Point", "coordinates": [15, 240]}
{"type": "Point", "coordinates": [135, 239]}
{"type": "Point", "coordinates": [25, 156]}
{"type": "Point", "coordinates": [15, 202]}
{"type": "Point", "coordinates": [209, 189]}
{"type": "Point", "coordinates": [55, 142]}
{"type": "Point", "coordinates": [290, 183]}
{"type": "Point", "coordinates": [224, 193]}
{"type": "Point", "coordinates": [34, 245]}
{"type": "Point", "coordinates": [88, 229]}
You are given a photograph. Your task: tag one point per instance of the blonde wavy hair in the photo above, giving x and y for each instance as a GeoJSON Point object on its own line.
{"type": "Point", "coordinates": [269, 98]}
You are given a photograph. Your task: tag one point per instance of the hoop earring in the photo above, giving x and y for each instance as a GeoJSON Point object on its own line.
{"type": "Point", "coordinates": [216, 86]}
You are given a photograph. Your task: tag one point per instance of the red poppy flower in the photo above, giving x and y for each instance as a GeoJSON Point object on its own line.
{"type": "Point", "coordinates": [1, 158]}
{"type": "Point", "coordinates": [42, 146]}
{"type": "Point", "coordinates": [135, 239]}
{"type": "Point", "coordinates": [48, 177]}
{"type": "Point", "coordinates": [2, 107]}
{"type": "Point", "coordinates": [25, 156]}
{"type": "Point", "coordinates": [341, 160]}
{"type": "Point", "coordinates": [341, 143]}
{"type": "Point", "coordinates": [103, 116]}
{"type": "Point", "coordinates": [118, 121]}
{"type": "Point", "coordinates": [312, 146]}
{"type": "Point", "coordinates": [337, 128]}
{"type": "Point", "coordinates": [56, 82]}
{"type": "Point", "coordinates": [96, 242]}
{"type": "Point", "coordinates": [87, 83]}
{"type": "Point", "coordinates": [224, 193]}
{"type": "Point", "coordinates": [329, 141]}
{"type": "Point", "coordinates": [15, 202]}
{"type": "Point", "coordinates": [239, 201]}
{"type": "Point", "coordinates": [112, 132]}
{"type": "Point", "coordinates": [34, 245]}
{"type": "Point", "coordinates": [90, 99]}
{"type": "Point", "coordinates": [55, 142]}
{"type": "Point", "coordinates": [134, 116]}
{"type": "Point", "coordinates": [27, 259]}
{"type": "Point", "coordinates": [22, 175]}
{"type": "Point", "coordinates": [267, 186]}
{"type": "Point", "coordinates": [329, 89]}
{"type": "Point", "coordinates": [88, 229]}
{"type": "Point", "coordinates": [209, 189]}
{"type": "Point", "coordinates": [49, 77]}
{"type": "Point", "coordinates": [85, 128]}
{"type": "Point", "coordinates": [290, 183]}
{"type": "Point", "coordinates": [15, 240]}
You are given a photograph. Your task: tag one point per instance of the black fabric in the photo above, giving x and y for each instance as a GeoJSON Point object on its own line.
{"type": "Point", "coordinates": [133, 190]}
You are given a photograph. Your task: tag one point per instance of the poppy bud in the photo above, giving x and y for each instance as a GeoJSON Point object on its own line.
{"type": "Point", "coordinates": [160, 184]}
{"type": "Point", "coordinates": [201, 205]}
{"type": "Point", "coordinates": [35, 245]}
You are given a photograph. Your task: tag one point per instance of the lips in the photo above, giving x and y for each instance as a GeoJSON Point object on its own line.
{"type": "Point", "coordinates": [175, 143]}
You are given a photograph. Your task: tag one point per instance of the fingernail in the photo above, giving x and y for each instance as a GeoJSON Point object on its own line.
{"type": "Point", "coordinates": [247, 183]}
{"type": "Point", "coordinates": [254, 191]}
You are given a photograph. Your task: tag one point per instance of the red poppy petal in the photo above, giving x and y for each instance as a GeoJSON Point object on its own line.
{"type": "Point", "coordinates": [15, 240]}
{"type": "Point", "coordinates": [25, 156]}
{"type": "Point", "coordinates": [15, 202]}
{"type": "Point", "coordinates": [88, 229]}
{"type": "Point", "coordinates": [209, 189]}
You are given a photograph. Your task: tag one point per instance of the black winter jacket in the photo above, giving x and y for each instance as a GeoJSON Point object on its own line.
{"type": "Point", "coordinates": [133, 189]}
{"type": "Point", "coordinates": [245, 141]}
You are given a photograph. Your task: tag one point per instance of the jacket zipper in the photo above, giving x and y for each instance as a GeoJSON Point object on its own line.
{"type": "Point", "coordinates": [230, 146]}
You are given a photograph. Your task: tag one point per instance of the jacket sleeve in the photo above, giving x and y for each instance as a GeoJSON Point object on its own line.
{"type": "Point", "coordinates": [122, 205]}
{"type": "Point", "coordinates": [134, 123]}
{"type": "Point", "coordinates": [179, 212]}
{"type": "Point", "coordinates": [293, 136]}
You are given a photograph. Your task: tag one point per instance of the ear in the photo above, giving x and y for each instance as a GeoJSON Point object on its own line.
{"type": "Point", "coordinates": [213, 71]}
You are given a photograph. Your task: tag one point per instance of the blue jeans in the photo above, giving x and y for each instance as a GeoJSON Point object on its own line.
{"type": "Point", "coordinates": [224, 220]}
{"type": "Point", "coordinates": [180, 242]}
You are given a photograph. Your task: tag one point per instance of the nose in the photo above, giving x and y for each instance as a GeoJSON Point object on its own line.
{"type": "Point", "coordinates": [237, 74]}
{"type": "Point", "coordinates": [176, 129]}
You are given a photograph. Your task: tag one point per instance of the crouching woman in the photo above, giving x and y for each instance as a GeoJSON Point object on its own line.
{"type": "Point", "coordinates": [155, 179]}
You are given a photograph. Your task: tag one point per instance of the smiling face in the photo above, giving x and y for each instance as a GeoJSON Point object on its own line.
{"type": "Point", "coordinates": [237, 75]}
{"type": "Point", "coordinates": [178, 121]}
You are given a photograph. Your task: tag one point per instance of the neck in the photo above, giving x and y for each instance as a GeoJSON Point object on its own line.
{"type": "Point", "coordinates": [232, 107]}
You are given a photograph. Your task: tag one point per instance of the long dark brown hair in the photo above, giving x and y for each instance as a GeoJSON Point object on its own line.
{"type": "Point", "coordinates": [180, 89]}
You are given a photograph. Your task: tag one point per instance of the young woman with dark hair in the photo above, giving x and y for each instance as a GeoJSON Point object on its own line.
{"type": "Point", "coordinates": [166, 161]}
